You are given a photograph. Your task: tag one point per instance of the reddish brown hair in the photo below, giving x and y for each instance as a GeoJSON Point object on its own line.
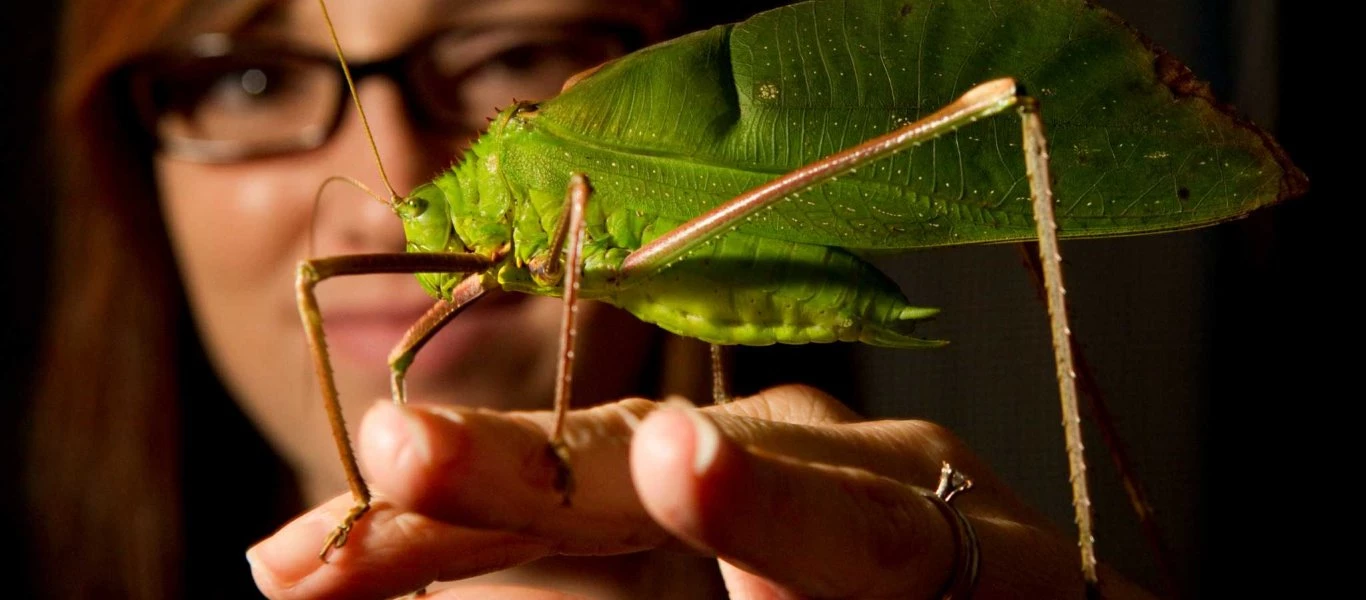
{"type": "Point", "coordinates": [101, 479]}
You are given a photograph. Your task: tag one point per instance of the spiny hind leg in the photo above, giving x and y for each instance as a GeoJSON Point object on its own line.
{"type": "Point", "coordinates": [980, 102]}
{"type": "Point", "coordinates": [1041, 192]}
{"type": "Point", "coordinates": [310, 274]}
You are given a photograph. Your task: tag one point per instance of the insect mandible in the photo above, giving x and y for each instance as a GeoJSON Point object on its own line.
{"type": "Point", "coordinates": [729, 196]}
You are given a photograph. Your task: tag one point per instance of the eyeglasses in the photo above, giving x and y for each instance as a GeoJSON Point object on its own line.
{"type": "Point", "coordinates": [223, 100]}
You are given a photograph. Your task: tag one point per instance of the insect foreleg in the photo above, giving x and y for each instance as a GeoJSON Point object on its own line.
{"type": "Point", "coordinates": [310, 273]}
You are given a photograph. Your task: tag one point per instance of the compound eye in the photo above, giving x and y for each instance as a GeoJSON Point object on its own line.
{"type": "Point", "coordinates": [411, 208]}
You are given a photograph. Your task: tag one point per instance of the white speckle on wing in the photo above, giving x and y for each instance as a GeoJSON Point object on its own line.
{"type": "Point", "coordinates": [768, 91]}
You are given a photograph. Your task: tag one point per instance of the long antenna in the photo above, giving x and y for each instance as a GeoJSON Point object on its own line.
{"type": "Point", "coordinates": [369, 137]}
{"type": "Point", "coordinates": [318, 200]}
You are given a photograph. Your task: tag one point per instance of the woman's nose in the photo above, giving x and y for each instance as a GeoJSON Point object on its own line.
{"type": "Point", "coordinates": [351, 222]}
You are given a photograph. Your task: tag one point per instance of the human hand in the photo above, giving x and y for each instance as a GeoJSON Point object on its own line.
{"type": "Point", "coordinates": [789, 490]}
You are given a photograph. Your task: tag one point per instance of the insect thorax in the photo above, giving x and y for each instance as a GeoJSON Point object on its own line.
{"type": "Point", "coordinates": [467, 208]}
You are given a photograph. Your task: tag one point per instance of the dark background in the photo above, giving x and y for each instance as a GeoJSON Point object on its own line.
{"type": "Point", "coordinates": [25, 47]}
{"type": "Point", "coordinates": [1211, 346]}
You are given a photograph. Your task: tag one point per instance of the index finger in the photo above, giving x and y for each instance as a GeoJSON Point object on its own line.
{"type": "Point", "coordinates": [493, 470]}
{"type": "Point", "coordinates": [391, 552]}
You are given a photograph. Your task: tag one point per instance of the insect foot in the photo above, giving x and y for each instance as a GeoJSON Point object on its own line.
{"type": "Point", "coordinates": [339, 535]}
{"type": "Point", "coordinates": [558, 451]}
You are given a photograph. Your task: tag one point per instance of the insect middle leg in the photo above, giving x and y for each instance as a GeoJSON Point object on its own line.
{"type": "Point", "coordinates": [469, 289]}
{"type": "Point", "coordinates": [562, 262]}
{"type": "Point", "coordinates": [980, 102]}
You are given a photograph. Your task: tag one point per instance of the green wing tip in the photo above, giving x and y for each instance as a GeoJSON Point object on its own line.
{"type": "Point", "coordinates": [916, 313]}
{"type": "Point", "coordinates": [892, 339]}
{"type": "Point", "coordinates": [897, 332]}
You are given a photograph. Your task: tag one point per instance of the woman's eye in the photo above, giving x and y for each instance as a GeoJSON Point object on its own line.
{"type": "Point", "coordinates": [463, 79]}
{"type": "Point", "coordinates": [520, 59]}
{"type": "Point", "coordinates": [244, 100]}
{"type": "Point", "coordinates": [534, 71]}
{"type": "Point", "coordinates": [533, 61]}
{"type": "Point", "coordinates": [242, 89]}
{"type": "Point", "coordinates": [239, 87]}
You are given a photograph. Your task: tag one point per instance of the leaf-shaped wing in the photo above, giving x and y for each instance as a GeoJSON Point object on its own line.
{"type": "Point", "coordinates": [1137, 145]}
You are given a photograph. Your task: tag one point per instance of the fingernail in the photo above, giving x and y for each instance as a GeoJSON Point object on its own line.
{"type": "Point", "coordinates": [445, 412]}
{"type": "Point", "coordinates": [284, 559]}
{"type": "Point", "coordinates": [677, 401]}
{"type": "Point", "coordinates": [401, 431]}
{"type": "Point", "coordinates": [629, 418]}
{"type": "Point", "coordinates": [706, 441]}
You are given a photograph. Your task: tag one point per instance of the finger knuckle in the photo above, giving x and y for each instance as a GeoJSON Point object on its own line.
{"type": "Point", "coordinates": [896, 525]}
{"type": "Point", "coordinates": [794, 403]}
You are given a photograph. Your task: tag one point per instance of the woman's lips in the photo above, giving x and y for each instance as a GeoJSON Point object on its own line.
{"type": "Point", "coordinates": [362, 339]}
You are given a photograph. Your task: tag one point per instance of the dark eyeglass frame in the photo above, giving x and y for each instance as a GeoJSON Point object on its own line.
{"type": "Point", "coordinates": [432, 115]}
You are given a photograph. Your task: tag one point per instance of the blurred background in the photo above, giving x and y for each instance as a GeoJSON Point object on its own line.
{"type": "Point", "coordinates": [1208, 345]}
{"type": "Point", "coordinates": [26, 44]}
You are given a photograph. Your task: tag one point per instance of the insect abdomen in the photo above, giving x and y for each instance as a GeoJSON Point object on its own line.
{"type": "Point", "coordinates": [757, 291]}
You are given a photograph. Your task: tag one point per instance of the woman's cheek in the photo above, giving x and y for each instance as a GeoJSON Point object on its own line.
{"type": "Point", "coordinates": [234, 225]}
{"type": "Point", "coordinates": [237, 232]}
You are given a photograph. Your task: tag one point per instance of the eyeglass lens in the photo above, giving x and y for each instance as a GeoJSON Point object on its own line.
{"type": "Point", "coordinates": [251, 102]}
{"type": "Point", "coordinates": [247, 104]}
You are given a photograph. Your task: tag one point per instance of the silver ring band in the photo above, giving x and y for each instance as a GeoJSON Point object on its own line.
{"type": "Point", "coordinates": [968, 555]}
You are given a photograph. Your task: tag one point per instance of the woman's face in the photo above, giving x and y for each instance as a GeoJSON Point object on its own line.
{"type": "Point", "coordinates": [240, 228]}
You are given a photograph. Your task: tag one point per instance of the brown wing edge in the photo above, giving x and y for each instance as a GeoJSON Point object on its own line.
{"type": "Point", "coordinates": [1178, 78]}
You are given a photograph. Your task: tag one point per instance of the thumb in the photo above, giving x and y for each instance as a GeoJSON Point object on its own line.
{"type": "Point", "coordinates": [743, 585]}
{"type": "Point", "coordinates": [801, 528]}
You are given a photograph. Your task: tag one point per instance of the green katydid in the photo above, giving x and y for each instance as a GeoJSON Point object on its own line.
{"type": "Point", "coordinates": [800, 130]}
